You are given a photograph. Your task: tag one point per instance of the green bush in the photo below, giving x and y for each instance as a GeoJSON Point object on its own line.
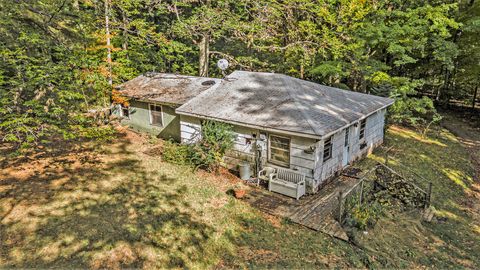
{"type": "Point", "coordinates": [363, 216]}
{"type": "Point", "coordinates": [207, 153]}
{"type": "Point", "coordinates": [217, 139]}
{"type": "Point", "coordinates": [176, 153]}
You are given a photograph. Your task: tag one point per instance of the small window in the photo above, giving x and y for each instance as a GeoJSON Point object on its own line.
{"type": "Point", "coordinates": [279, 150]}
{"type": "Point", "coordinates": [363, 123]}
{"type": "Point", "coordinates": [126, 111]}
{"type": "Point", "coordinates": [327, 149]}
{"type": "Point", "coordinates": [156, 115]}
{"type": "Point", "coordinates": [347, 134]}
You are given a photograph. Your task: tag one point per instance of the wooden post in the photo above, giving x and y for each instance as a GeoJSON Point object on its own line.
{"type": "Point", "coordinates": [361, 193]}
{"type": "Point", "coordinates": [340, 207]}
{"type": "Point", "coordinates": [428, 195]}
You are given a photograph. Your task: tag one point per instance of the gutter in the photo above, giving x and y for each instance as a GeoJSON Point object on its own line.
{"type": "Point", "coordinates": [263, 128]}
{"type": "Point", "coordinates": [356, 121]}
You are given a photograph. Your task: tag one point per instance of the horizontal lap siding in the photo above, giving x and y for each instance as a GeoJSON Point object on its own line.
{"type": "Point", "coordinates": [190, 129]}
{"type": "Point", "coordinates": [374, 132]}
{"type": "Point", "coordinates": [243, 148]}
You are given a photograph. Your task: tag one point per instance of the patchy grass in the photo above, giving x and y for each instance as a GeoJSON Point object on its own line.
{"type": "Point", "coordinates": [402, 240]}
{"type": "Point", "coordinates": [118, 205]}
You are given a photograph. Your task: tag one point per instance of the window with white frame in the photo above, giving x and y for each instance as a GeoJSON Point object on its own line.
{"type": "Point", "coordinates": [363, 124]}
{"type": "Point", "coordinates": [279, 150]}
{"type": "Point", "coordinates": [156, 117]}
{"type": "Point", "coordinates": [327, 149]}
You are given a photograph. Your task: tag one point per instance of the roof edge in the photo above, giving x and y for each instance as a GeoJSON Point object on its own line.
{"type": "Point", "coordinates": [299, 134]}
{"type": "Point", "coordinates": [359, 119]}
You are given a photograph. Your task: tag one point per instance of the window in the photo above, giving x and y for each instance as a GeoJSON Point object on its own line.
{"type": "Point", "coordinates": [279, 151]}
{"type": "Point", "coordinates": [363, 123]}
{"type": "Point", "coordinates": [156, 115]}
{"type": "Point", "coordinates": [347, 134]}
{"type": "Point", "coordinates": [327, 149]}
{"type": "Point", "coordinates": [126, 111]}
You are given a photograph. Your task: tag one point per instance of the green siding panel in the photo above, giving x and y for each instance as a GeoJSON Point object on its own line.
{"type": "Point", "coordinates": [140, 121]}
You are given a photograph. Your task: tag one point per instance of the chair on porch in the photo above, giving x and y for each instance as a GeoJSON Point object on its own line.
{"type": "Point", "coordinates": [264, 174]}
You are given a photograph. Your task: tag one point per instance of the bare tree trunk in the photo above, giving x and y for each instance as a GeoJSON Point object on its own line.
{"type": "Point", "coordinates": [474, 100]}
{"type": "Point", "coordinates": [109, 50]}
{"type": "Point", "coordinates": [125, 32]}
{"type": "Point", "coordinates": [302, 71]}
{"type": "Point", "coordinates": [204, 49]}
{"type": "Point", "coordinates": [107, 35]}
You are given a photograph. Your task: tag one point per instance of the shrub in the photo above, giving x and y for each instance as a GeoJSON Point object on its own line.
{"type": "Point", "coordinates": [176, 153]}
{"type": "Point", "coordinates": [363, 215]}
{"type": "Point", "coordinates": [217, 139]}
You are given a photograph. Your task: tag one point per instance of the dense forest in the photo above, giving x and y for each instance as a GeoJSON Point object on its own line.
{"type": "Point", "coordinates": [61, 58]}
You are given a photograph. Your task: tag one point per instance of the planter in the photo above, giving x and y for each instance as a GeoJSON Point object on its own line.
{"type": "Point", "coordinates": [239, 193]}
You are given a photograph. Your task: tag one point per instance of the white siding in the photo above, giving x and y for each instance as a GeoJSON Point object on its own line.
{"type": "Point", "coordinates": [244, 148]}
{"type": "Point", "coordinates": [190, 129]}
{"type": "Point", "coordinates": [375, 124]}
{"type": "Point", "coordinates": [309, 163]}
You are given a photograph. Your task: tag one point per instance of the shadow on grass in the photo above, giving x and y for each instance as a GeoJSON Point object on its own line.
{"type": "Point", "coordinates": [77, 210]}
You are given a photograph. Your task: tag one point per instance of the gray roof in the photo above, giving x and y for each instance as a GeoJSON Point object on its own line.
{"type": "Point", "coordinates": [166, 88]}
{"type": "Point", "coordinates": [280, 102]}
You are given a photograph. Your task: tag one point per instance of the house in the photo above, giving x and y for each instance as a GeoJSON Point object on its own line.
{"type": "Point", "coordinates": [154, 98]}
{"type": "Point", "coordinates": [279, 121]}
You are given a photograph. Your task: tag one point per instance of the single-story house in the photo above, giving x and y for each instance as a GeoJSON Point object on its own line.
{"type": "Point", "coordinates": [153, 98]}
{"type": "Point", "coordinates": [279, 121]}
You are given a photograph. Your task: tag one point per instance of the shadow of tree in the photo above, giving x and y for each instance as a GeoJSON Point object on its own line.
{"type": "Point", "coordinates": [67, 211]}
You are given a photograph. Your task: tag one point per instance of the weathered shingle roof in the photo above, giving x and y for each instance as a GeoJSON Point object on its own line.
{"type": "Point", "coordinates": [280, 102]}
{"type": "Point", "coordinates": [167, 88]}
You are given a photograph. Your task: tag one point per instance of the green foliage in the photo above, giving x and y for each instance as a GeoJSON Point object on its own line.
{"type": "Point", "coordinates": [53, 53]}
{"type": "Point", "coordinates": [176, 153]}
{"type": "Point", "coordinates": [216, 139]}
{"type": "Point", "coordinates": [363, 216]}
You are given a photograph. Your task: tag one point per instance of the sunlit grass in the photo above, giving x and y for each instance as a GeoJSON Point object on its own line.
{"type": "Point", "coordinates": [131, 210]}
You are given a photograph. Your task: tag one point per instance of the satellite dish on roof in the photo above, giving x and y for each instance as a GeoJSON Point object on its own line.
{"type": "Point", "coordinates": [222, 64]}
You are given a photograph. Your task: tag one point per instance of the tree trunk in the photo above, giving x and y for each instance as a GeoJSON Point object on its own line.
{"type": "Point", "coordinates": [302, 71]}
{"type": "Point", "coordinates": [109, 49]}
{"type": "Point", "coordinates": [107, 35]}
{"type": "Point", "coordinates": [474, 100]}
{"type": "Point", "coordinates": [204, 49]}
{"type": "Point", "coordinates": [125, 32]}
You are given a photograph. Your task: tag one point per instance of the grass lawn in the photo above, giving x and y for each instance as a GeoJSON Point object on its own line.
{"type": "Point", "coordinates": [118, 205]}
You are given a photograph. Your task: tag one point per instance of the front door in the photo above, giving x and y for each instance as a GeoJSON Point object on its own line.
{"type": "Point", "coordinates": [346, 148]}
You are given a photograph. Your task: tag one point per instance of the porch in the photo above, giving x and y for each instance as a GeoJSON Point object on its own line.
{"type": "Point", "coordinates": [312, 211]}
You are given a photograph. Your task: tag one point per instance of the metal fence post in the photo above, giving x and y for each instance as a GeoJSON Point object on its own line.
{"type": "Point", "coordinates": [361, 193]}
{"type": "Point", "coordinates": [428, 195]}
{"type": "Point", "coordinates": [340, 207]}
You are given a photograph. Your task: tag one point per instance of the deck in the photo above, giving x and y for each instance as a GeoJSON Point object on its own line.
{"type": "Point", "coordinates": [312, 211]}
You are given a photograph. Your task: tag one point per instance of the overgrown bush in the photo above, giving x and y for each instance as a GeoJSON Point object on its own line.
{"type": "Point", "coordinates": [216, 139]}
{"type": "Point", "coordinates": [176, 153]}
{"type": "Point", "coordinates": [363, 216]}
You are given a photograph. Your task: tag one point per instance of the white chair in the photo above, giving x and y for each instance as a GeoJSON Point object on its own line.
{"type": "Point", "coordinates": [265, 174]}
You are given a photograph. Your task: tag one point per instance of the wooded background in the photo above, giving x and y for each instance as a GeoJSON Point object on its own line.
{"type": "Point", "coordinates": [60, 58]}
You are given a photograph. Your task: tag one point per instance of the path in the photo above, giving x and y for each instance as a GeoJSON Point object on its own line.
{"type": "Point", "coordinates": [312, 211]}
